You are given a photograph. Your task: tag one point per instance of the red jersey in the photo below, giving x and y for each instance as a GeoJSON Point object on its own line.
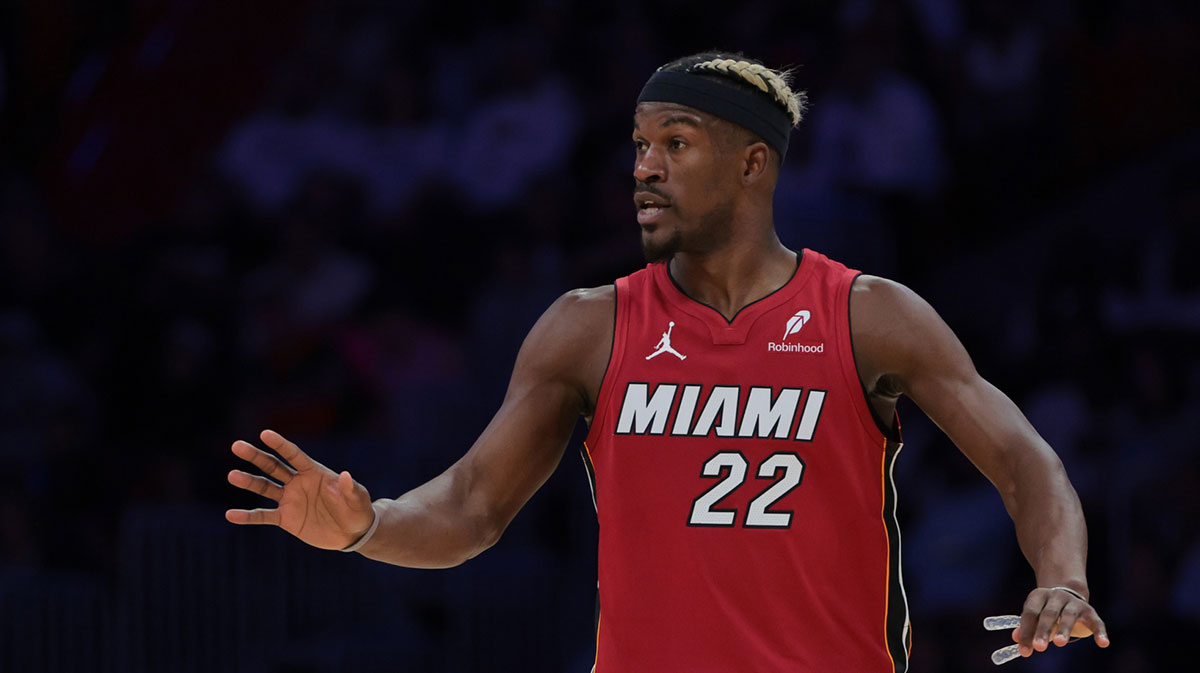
{"type": "Point", "coordinates": [743, 487]}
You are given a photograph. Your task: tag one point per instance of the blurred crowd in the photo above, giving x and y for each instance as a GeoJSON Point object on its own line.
{"type": "Point", "coordinates": [339, 219]}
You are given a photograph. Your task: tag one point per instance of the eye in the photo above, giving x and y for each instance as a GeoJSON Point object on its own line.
{"type": "Point", "coordinates": [677, 143]}
{"type": "Point", "coordinates": [639, 145]}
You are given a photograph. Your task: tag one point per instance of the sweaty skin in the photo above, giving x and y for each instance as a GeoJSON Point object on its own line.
{"type": "Point", "coordinates": [717, 185]}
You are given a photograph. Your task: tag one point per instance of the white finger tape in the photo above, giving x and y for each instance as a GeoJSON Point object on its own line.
{"type": "Point", "coordinates": [1005, 654]}
{"type": "Point", "coordinates": [1001, 622]}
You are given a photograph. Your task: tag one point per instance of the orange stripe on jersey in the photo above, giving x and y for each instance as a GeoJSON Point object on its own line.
{"type": "Point", "coordinates": [597, 659]}
{"type": "Point", "coordinates": [590, 468]}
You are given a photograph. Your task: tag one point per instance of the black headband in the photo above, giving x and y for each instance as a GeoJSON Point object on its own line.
{"type": "Point", "coordinates": [748, 110]}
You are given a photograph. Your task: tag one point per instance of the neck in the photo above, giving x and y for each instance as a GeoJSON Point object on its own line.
{"type": "Point", "coordinates": [738, 274]}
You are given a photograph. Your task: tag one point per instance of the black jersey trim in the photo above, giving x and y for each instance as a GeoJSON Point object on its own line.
{"type": "Point", "coordinates": [612, 345]}
{"type": "Point", "coordinates": [892, 434]}
{"type": "Point", "coordinates": [590, 469]}
{"type": "Point", "coordinates": [729, 321]}
{"type": "Point", "coordinates": [598, 404]}
{"type": "Point", "coordinates": [584, 451]}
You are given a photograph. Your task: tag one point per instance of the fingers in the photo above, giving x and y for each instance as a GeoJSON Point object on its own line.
{"type": "Point", "coordinates": [253, 517]}
{"type": "Point", "coordinates": [1066, 621]}
{"type": "Point", "coordinates": [255, 484]}
{"type": "Point", "coordinates": [1049, 616]}
{"type": "Point", "coordinates": [1091, 619]}
{"type": "Point", "coordinates": [270, 465]}
{"type": "Point", "coordinates": [1029, 620]}
{"type": "Point", "coordinates": [290, 452]}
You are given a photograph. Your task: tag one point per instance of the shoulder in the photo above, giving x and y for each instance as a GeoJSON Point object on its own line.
{"type": "Point", "coordinates": [879, 298]}
{"type": "Point", "coordinates": [571, 342]}
{"type": "Point", "coordinates": [583, 309]}
{"type": "Point", "coordinates": [895, 331]}
{"type": "Point", "coordinates": [880, 305]}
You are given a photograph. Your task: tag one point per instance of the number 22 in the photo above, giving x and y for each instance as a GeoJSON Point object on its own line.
{"type": "Point", "coordinates": [758, 516]}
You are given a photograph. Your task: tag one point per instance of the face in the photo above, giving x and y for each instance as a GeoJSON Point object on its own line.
{"type": "Point", "coordinates": [685, 179]}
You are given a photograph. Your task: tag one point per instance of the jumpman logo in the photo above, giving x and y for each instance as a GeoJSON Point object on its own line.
{"type": "Point", "coordinates": [664, 345]}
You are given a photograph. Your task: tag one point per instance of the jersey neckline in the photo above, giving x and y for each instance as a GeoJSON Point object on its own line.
{"type": "Point", "coordinates": [733, 330]}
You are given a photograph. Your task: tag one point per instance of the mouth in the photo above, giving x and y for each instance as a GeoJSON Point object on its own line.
{"type": "Point", "coordinates": [650, 207]}
{"type": "Point", "coordinates": [650, 214]}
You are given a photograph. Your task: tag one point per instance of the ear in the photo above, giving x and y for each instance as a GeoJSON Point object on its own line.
{"type": "Point", "coordinates": [756, 158]}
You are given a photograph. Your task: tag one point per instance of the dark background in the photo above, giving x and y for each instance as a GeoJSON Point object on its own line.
{"type": "Point", "coordinates": [338, 220]}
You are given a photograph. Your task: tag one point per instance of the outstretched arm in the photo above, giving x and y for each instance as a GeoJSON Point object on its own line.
{"type": "Point", "coordinates": [903, 347]}
{"type": "Point", "coordinates": [463, 511]}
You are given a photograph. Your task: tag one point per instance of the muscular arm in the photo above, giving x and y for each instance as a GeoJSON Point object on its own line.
{"type": "Point", "coordinates": [464, 511]}
{"type": "Point", "coordinates": [903, 347]}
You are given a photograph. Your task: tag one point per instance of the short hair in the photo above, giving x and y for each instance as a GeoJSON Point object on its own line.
{"type": "Point", "coordinates": [748, 74]}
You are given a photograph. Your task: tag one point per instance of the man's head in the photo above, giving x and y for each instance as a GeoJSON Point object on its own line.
{"type": "Point", "coordinates": [710, 131]}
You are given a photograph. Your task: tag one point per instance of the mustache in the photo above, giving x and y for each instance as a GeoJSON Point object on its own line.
{"type": "Point", "coordinates": [647, 187]}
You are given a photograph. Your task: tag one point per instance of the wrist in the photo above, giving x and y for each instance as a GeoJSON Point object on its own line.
{"type": "Point", "coordinates": [1073, 586]}
{"type": "Point", "coordinates": [1081, 596]}
{"type": "Point", "coordinates": [366, 536]}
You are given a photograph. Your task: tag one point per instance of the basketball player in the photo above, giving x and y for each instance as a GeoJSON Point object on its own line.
{"type": "Point", "coordinates": [741, 400]}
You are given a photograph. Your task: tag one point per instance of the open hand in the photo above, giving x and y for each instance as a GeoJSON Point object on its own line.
{"type": "Point", "coordinates": [321, 507]}
{"type": "Point", "coordinates": [1054, 615]}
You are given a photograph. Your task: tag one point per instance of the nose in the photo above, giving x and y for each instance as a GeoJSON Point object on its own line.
{"type": "Point", "coordinates": [649, 167]}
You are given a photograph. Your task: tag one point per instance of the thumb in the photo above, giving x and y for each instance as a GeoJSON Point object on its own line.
{"type": "Point", "coordinates": [351, 490]}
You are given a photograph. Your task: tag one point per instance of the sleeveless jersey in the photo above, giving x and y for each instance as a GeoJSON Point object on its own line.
{"type": "Point", "coordinates": [743, 487]}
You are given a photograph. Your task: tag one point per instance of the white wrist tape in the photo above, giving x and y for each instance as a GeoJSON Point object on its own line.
{"type": "Point", "coordinates": [1069, 590]}
{"type": "Point", "coordinates": [367, 535]}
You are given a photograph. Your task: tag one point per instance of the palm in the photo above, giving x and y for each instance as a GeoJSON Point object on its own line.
{"type": "Point", "coordinates": [315, 511]}
{"type": "Point", "coordinates": [317, 505]}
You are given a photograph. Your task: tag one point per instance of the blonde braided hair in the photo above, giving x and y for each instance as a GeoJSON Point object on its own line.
{"type": "Point", "coordinates": [771, 82]}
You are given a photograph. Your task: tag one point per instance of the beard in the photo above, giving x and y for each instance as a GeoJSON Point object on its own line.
{"type": "Point", "coordinates": [661, 251]}
{"type": "Point", "coordinates": [710, 234]}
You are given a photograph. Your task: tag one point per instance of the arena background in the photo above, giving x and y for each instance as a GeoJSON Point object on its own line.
{"type": "Point", "coordinates": [338, 220]}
